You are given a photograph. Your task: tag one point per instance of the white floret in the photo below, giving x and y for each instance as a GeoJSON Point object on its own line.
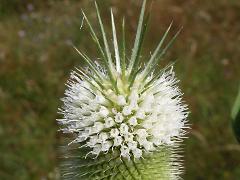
{"type": "Point", "coordinates": [132, 123]}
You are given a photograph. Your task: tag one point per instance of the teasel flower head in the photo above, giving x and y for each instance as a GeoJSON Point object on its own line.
{"type": "Point", "coordinates": [127, 119]}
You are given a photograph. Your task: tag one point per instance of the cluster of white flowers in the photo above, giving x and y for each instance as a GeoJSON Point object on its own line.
{"type": "Point", "coordinates": [124, 107]}
{"type": "Point", "coordinates": [132, 122]}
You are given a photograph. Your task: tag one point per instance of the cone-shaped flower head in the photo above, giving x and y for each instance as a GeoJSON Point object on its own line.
{"type": "Point", "coordinates": [125, 109]}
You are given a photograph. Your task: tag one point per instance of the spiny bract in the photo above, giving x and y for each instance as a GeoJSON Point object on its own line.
{"type": "Point", "coordinates": [124, 108]}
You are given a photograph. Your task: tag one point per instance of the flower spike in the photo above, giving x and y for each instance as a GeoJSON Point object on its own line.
{"type": "Point", "coordinates": [128, 120]}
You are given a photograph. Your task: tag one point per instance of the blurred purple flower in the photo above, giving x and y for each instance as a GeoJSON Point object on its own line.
{"type": "Point", "coordinates": [21, 33]}
{"type": "Point", "coordinates": [30, 7]}
{"type": "Point", "coordinates": [24, 17]}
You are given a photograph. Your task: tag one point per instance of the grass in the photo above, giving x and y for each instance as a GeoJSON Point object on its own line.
{"type": "Point", "coordinates": [36, 58]}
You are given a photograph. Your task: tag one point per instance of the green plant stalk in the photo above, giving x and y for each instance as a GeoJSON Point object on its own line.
{"type": "Point", "coordinates": [236, 117]}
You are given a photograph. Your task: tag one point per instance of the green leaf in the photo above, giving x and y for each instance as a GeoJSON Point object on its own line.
{"type": "Point", "coordinates": [156, 52]}
{"type": "Point", "coordinates": [123, 54]}
{"type": "Point", "coordinates": [136, 62]}
{"type": "Point", "coordinates": [115, 43]}
{"type": "Point", "coordinates": [137, 44]}
{"type": "Point", "coordinates": [160, 54]}
{"type": "Point", "coordinates": [135, 71]}
{"type": "Point", "coordinates": [90, 63]}
{"type": "Point", "coordinates": [107, 50]}
{"type": "Point", "coordinates": [236, 117]}
{"type": "Point", "coordinates": [96, 40]}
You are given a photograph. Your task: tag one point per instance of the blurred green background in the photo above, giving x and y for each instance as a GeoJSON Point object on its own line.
{"type": "Point", "coordinates": [36, 58]}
